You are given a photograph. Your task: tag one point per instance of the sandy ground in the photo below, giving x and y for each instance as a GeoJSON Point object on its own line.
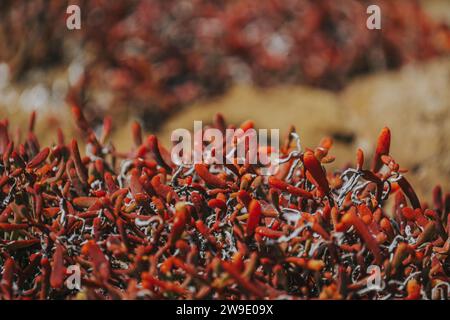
{"type": "Point", "coordinates": [413, 102]}
{"type": "Point", "coordinates": [438, 9]}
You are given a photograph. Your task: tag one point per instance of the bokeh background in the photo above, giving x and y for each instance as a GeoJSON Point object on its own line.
{"type": "Point", "coordinates": [310, 63]}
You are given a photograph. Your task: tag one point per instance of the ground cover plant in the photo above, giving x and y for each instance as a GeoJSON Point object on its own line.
{"type": "Point", "coordinates": [139, 227]}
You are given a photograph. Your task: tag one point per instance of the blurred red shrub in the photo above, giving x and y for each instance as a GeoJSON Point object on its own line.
{"type": "Point", "coordinates": [157, 55]}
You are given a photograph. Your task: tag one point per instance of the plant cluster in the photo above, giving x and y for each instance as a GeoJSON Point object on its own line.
{"type": "Point", "coordinates": [139, 227]}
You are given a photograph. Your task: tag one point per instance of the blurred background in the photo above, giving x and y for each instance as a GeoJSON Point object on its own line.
{"type": "Point", "coordinates": [310, 63]}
